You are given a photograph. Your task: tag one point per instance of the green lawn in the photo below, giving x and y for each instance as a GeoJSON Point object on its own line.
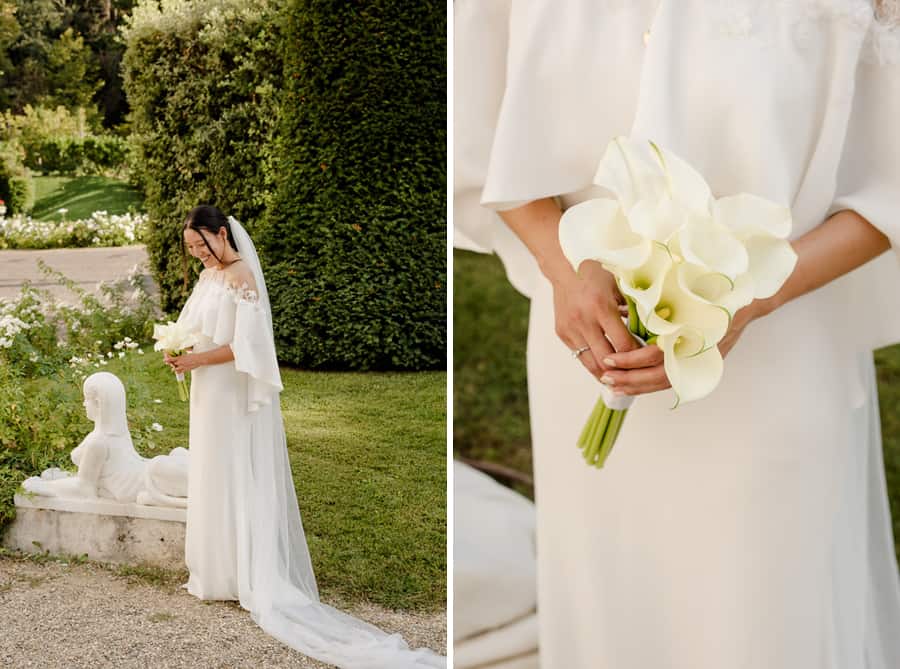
{"type": "Point", "coordinates": [490, 398]}
{"type": "Point", "coordinates": [490, 411]}
{"type": "Point", "coordinates": [82, 196]}
{"type": "Point", "coordinates": [368, 454]}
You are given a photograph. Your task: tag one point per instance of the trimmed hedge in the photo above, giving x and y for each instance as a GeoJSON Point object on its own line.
{"type": "Point", "coordinates": [94, 154]}
{"type": "Point", "coordinates": [201, 81]}
{"type": "Point", "coordinates": [16, 186]}
{"type": "Point", "coordinates": [356, 236]}
{"type": "Point", "coordinates": [321, 125]}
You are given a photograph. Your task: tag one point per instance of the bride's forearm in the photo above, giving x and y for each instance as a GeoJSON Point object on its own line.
{"type": "Point", "coordinates": [837, 246]}
{"type": "Point", "coordinates": [537, 225]}
{"type": "Point", "coordinates": [216, 356]}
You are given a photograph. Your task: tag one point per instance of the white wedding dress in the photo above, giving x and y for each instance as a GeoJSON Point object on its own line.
{"type": "Point", "coordinates": [244, 538]}
{"type": "Point", "coordinates": [749, 530]}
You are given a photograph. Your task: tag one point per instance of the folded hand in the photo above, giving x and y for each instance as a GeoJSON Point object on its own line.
{"type": "Point", "coordinates": [641, 370]}
{"type": "Point", "coordinates": [182, 363]}
{"type": "Point", "coordinates": [588, 317]}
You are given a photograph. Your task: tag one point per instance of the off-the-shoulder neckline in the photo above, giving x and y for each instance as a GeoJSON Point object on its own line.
{"type": "Point", "coordinates": [242, 290]}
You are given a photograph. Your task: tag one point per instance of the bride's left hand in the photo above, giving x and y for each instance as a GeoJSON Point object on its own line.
{"type": "Point", "coordinates": [641, 370]}
{"type": "Point", "coordinates": [184, 362]}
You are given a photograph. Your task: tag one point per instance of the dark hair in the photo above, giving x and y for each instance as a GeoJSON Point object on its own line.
{"type": "Point", "coordinates": [204, 217]}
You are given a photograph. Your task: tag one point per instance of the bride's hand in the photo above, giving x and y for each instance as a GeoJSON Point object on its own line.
{"type": "Point", "coordinates": [587, 313]}
{"type": "Point", "coordinates": [641, 371]}
{"type": "Point", "coordinates": [184, 362]}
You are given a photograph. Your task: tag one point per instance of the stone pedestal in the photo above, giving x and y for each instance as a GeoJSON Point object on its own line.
{"type": "Point", "coordinates": [106, 530]}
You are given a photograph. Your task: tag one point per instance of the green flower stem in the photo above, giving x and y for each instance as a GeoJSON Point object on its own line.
{"type": "Point", "coordinates": [597, 423]}
{"type": "Point", "coordinates": [589, 426]}
{"type": "Point", "coordinates": [634, 323]}
{"type": "Point", "coordinates": [612, 433]}
{"type": "Point", "coordinates": [591, 439]}
{"type": "Point", "coordinates": [183, 390]}
{"type": "Point", "coordinates": [597, 446]}
{"type": "Point", "coordinates": [604, 424]}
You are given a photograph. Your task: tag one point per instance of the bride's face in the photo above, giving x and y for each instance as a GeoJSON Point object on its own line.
{"type": "Point", "coordinates": [196, 243]}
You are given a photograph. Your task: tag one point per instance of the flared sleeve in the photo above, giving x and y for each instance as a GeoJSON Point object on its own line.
{"type": "Point", "coordinates": [868, 179]}
{"type": "Point", "coordinates": [538, 93]}
{"type": "Point", "coordinates": [254, 349]}
{"type": "Point", "coordinates": [481, 32]}
{"type": "Point", "coordinates": [868, 182]}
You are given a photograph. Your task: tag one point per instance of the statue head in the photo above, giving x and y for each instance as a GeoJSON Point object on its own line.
{"type": "Point", "coordinates": [104, 403]}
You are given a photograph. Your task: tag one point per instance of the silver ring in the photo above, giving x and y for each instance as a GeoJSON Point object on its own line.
{"type": "Point", "coordinates": [576, 353]}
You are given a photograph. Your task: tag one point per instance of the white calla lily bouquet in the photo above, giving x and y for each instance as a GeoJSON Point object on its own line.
{"type": "Point", "coordinates": [175, 339]}
{"type": "Point", "coordinates": [684, 261]}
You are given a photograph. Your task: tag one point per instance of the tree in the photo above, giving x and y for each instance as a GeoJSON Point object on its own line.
{"type": "Point", "coordinates": [63, 52]}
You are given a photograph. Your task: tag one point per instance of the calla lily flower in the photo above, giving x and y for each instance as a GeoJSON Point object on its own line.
{"type": "Point", "coordinates": [678, 308]}
{"type": "Point", "coordinates": [658, 220]}
{"type": "Point", "coordinates": [631, 170]}
{"type": "Point", "coordinates": [638, 171]}
{"type": "Point", "coordinates": [598, 230]}
{"type": "Point", "coordinates": [762, 227]}
{"type": "Point", "coordinates": [750, 215]}
{"type": "Point", "coordinates": [693, 370]}
{"type": "Point", "coordinates": [716, 289]}
{"type": "Point", "coordinates": [173, 337]}
{"type": "Point", "coordinates": [772, 261]}
{"type": "Point", "coordinates": [714, 247]}
{"type": "Point", "coordinates": [644, 284]}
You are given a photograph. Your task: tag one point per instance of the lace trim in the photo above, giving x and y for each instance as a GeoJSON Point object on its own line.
{"type": "Point", "coordinates": [879, 19]}
{"type": "Point", "coordinates": [883, 38]}
{"type": "Point", "coordinates": [240, 293]}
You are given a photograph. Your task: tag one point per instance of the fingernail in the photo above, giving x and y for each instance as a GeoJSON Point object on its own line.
{"type": "Point", "coordinates": [608, 380]}
{"type": "Point", "coordinates": [609, 362]}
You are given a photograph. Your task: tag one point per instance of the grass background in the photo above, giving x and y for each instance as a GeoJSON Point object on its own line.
{"type": "Point", "coordinates": [82, 196]}
{"type": "Point", "coordinates": [490, 399]}
{"type": "Point", "coordinates": [368, 456]}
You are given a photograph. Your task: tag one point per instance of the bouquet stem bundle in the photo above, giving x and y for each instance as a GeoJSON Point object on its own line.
{"type": "Point", "coordinates": [600, 433]}
{"type": "Point", "coordinates": [175, 339]}
{"type": "Point", "coordinates": [604, 424]}
{"type": "Point", "coordinates": [183, 391]}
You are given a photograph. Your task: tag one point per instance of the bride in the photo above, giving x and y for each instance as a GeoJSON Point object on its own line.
{"type": "Point", "coordinates": [750, 529]}
{"type": "Point", "coordinates": [244, 538]}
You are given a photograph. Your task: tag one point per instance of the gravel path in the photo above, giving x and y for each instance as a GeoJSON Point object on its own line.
{"type": "Point", "coordinates": [84, 266]}
{"type": "Point", "coordinates": [57, 615]}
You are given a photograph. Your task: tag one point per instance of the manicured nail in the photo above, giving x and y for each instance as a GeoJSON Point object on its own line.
{"type": "Point", "coordinates": [609, 362]}
{"type": "Point", "coordinates": [608, 380]}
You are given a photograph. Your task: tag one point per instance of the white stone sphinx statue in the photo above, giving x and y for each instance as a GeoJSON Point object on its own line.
{"type": "Point", "coordinates": [108, 465]}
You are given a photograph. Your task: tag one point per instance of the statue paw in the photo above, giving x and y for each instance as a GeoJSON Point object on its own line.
{"type": "Point", "coordinates": [54, 473]}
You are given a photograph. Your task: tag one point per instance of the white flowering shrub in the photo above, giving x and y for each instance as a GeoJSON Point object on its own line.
{"type": "Point", "coordinates": [40, 335]}
{"type": "Point", "coordinates": [101, 229]}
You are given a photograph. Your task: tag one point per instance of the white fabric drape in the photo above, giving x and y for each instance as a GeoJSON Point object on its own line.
{"type": "Point", "coordinates": [494, 590]}
{"type": "Point", "coordinates": [254, 549]}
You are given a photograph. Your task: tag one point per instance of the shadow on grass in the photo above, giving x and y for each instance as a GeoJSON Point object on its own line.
{"type": "Point", "coordinates": [82, 196]}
